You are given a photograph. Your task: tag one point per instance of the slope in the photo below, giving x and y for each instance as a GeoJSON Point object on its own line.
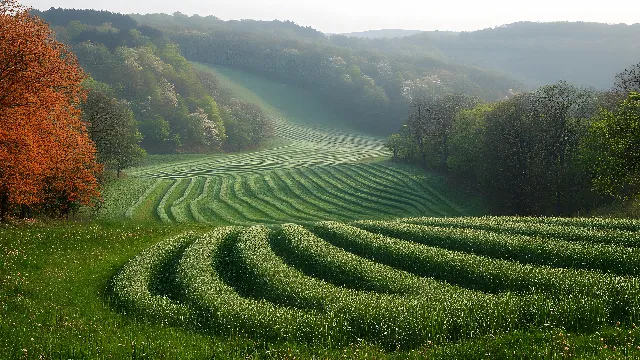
{"type": "Point", "coordinates": [322, 171]}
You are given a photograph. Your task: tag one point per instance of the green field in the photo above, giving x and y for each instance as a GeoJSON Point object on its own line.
{"type": "Point", "coordinates": [397, 284]}
{"type": "Point", "coordinates": [316, 247]}
{"type": "Point", "coordinates": [322, 172]}
{"type": "Point", "coordinates": [441, 288]}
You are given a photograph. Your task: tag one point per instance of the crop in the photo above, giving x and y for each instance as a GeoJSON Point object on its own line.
{"type": "Point", "coordinates": [395, 284]}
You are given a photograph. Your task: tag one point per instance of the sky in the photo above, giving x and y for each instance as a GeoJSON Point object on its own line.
{"type": "Point", "coordinates": [340, 16]}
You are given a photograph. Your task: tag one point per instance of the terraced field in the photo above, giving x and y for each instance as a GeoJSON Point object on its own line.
{"type": "Point", "coordinates": [322, 173]}
{"type": "Point", "coordinates": [399, 284]}
{"type": "Point", "coordinates": [309, 147]}
{"type": "Point", "coordinates": [304, 194]}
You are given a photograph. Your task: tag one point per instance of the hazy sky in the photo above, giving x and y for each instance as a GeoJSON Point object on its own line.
{"type": "Point", "coordinates": [336, 16]}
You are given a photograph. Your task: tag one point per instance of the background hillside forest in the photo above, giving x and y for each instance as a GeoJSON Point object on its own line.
{"type": "Point", "coordinates": [177, 108]}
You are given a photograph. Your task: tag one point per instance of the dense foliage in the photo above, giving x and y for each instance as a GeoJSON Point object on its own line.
{"type": "Point", "coordinates": [113, 129]}
{"type": "Point", "coordinates": [175, 108]}
{"type": "Point", "coordinates": [557, 150]}
{"type": "Point", "coordinates": [47, 161]}
{"type": "Point", "coordinates": [613, 142]}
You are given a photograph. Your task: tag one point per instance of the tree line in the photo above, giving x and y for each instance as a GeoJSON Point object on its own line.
{"type": "Point", "coordinates": [557, 150]}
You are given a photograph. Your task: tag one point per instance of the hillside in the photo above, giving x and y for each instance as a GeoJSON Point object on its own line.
{"type": "Point", "coordinates": [176, 109]}
{"type": "Point", "coordinates": [373, 88]}
{"type": "Point", "coordinates": [383, 33]}
{"type": "Point", "coordinates": [588, 54]}
{"type": "Point", "coordinates": [320, 170]}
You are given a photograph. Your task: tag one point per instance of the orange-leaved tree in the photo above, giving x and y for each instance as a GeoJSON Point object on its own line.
{"type": "Point", "coordinates": [47, 160]}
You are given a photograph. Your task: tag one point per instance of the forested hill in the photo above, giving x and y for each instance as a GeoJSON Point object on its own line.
{"type": "Point", "coordinates": [582, 53]}
{"type": "Point", "coordinates": [373, 88]}
{"type": "Point", "coordinates": [280, 29]}
{"type": "Point", "coordinates": [176, 107]}
{"type": "Point", "coordinates": [383, 33]}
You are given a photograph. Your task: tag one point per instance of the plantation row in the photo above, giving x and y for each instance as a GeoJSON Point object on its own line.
{"type": "Point", "coordinates": [358, 191]}
{"type": "Point", "coordinates": [395, 283]}
{"type": "Point", "coordinates": [309, 147]}
{"type": "Point", "coordinates": [323, 136]}
{"type": "Point", "coordinates": [286, 157]}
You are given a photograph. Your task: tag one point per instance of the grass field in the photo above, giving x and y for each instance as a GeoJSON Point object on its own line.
{"type": "Point", "coordinates": [323, 171]}
{"type": "Point", "coordinates": [438, 288]}
{"type": "Point", "coordinates": [315, 247]}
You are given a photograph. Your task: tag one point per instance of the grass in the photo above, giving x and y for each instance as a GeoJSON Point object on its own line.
{"type": "Point", "coordinates": [55, 303]}
{"type": "Point", "coordinates": [307, 194]}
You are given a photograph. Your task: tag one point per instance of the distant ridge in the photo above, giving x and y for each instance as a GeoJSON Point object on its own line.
{"type": "Point", "coordinates": [383, 33]}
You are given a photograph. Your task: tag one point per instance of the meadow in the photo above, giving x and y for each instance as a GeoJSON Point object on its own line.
{"type": "Point", "coordinates": [315, 247]}
{"type": "Point", "coordinates": [316, 172]}
{"type": "Point", "coordinates": [405, 288]}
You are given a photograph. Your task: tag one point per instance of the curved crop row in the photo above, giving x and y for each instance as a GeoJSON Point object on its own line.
{"type": "Point", "coordinates": [522, 248]}
{"type": "Point", "coordinates": [591, 222]}
{"type": "Point", "coordinates": [180, 209]}
{"type": "Point", "coordinates": [165, 202]}
{"type": "Point", "coordinates": [510, 225]}
{"type": "Point", "coordinates": [619, 297]}
{"type": "Point", "coordinates": [290, 131]}
{"type": "Point", "coordinates": [223, 310]}
{"type": "Point", "coordinates": [315, 257]}
{"type": "Point", "coordinates": [296, 195]}
{"type": "Point", "coordinates": [390, 320]}
{"type": "Point", "coordinates": [299, 156]}
{"type": "Point", "coordinates": [131, 210]}
{"type": "Point", "coordinates": [394, 284]}
{"type": "Point", "coordinates": [131, 288]}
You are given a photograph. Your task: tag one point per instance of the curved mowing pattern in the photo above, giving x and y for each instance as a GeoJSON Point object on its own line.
{"type": "Point", "coordinates": [309, 147]}
{"type": "Point", "coordinates": [399, 284]}
{"type": "Point", "coordinates": [322, 174]}
{"type": "Point", "coordinates": [358, 191]}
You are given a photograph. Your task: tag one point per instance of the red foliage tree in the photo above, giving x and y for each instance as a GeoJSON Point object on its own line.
{"type": "Point", "coordinates": [46, 156]}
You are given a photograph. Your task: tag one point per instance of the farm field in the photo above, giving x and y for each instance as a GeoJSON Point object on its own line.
{"type": "Point", "coordinates": [316, 247]}
{"type": "Point", "coordinates": [320, 172]}
{"type": "Point", "coordinates": [394, 284]}
{"type": "Point", "coordinates": [442, 288]}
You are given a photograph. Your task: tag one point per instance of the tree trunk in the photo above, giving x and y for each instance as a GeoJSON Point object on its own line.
{"type": "Point", "coordinates": [445, 153]}
{"type": "Point", "coordinates": [25, 212]}
{"type": "Point", "coordinates": [4, 206]}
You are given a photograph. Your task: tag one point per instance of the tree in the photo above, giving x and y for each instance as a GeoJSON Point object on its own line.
{"type": "Point", "coordinates": [247, 126]}
{"type": "Point", "coordinates": [114, 131]}
{"type": "Point", "coordinates": [431, 119]}
{"type": "Point", "coordinates": [46, 155]}
{"type": "Point", "coordinates": [531, 162]}
{"type": "Point", "coordinates": [613, 145]}
{"type": "Point", "coordinates": [561, 112]}
{"type": "Point", "coordinates": [466, 143]}
{"type": "Point", "coordinates": [393, 143]}
{"type": "Point", "coordinates": [629, 80]}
